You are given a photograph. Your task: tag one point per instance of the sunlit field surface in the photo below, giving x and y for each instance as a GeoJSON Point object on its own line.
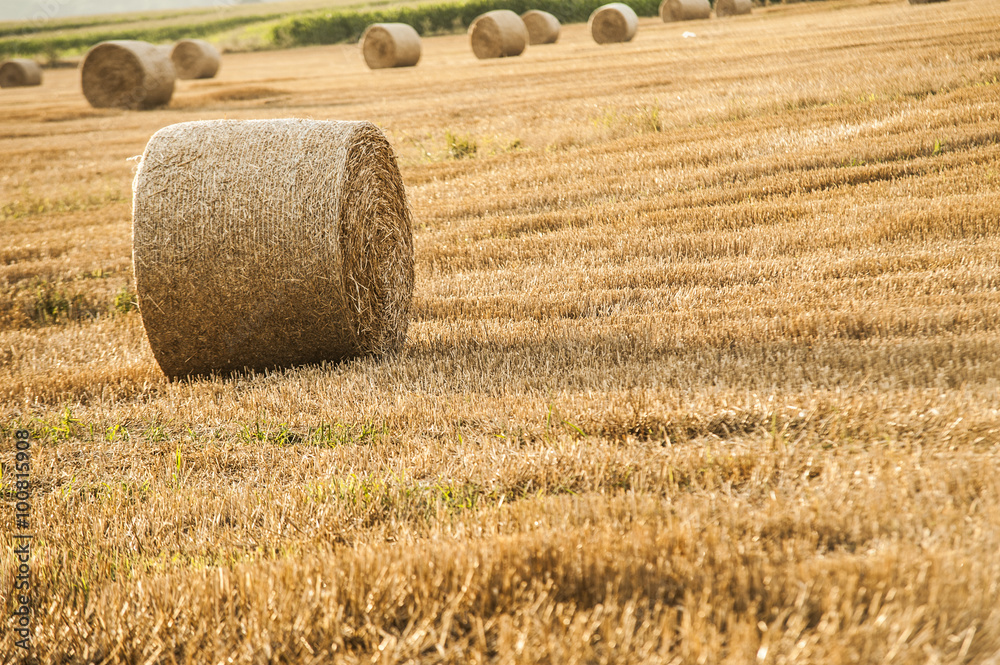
{"type": "Point", "coordinates": [703, 364]}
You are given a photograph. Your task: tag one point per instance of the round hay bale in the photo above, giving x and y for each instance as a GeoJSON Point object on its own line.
{"type": "Point", "coordinates": [195, 59]}
{"type": "Point", "coordinates": [925, 2]}
{"type": "Point", "coordinates": [684, 10]}
{"type": "Point", "coordinates": [613, 23]}
{"type": "Point", "coordinates": [390, 45]}
{"type": "Point", "coordinates": [128, 75]}
{"type": "Point", "coordinates": [498, 34]}
{"type": "Point", "coordinates": [18, 73]}
{"type": "Point", "coordinates": [733, 7]}
{"type": "Point", "coordinates": [543, 27]}
{"type": "Point", "coordinates": [270, 243]}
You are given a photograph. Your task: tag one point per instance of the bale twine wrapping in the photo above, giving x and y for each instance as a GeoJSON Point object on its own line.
{"type": "Point", "coordinates": [498, 34]}
{"type": "Point", "coordinates": [390, 45]}
{"type": "Point", "coordinates": [543, 27]}
{"type": "Point", "coordinates": [269, 243]}
{"type": "Point", "coordinates": [613, 23]}
{"type": "Point", "coordinates": [684, 10]}
{"type": "Point", "coordinates": [127, 74]}
{"type": "Point", "coordinates": [195, 59]}
{"type": "Point", "coordinates": [18, 73]}
{"type": "Point", "coordinates": [733, 7]}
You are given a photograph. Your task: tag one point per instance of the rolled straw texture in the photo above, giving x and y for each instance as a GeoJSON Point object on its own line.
{"type": "Point", "coordinates": [613, 23]}
{"type": "Point", "coordinates": [498, 34]}
{"type": "Point", "coordinates": [684, 10]}
{"type": "Point", "coordinates": [390, 45]}
{"type": "Point", "coordinates": [18, 72]}
{"type": "Point", "coordinates": [269, 243]}
{"type": "Point", "coordinates": [543, 27]}
{"type": "Point", "coordinates": [733, 7]}
{"type": "Point", "coordinates": [195, 59]}
{"type": "Point", "coordinates": [127, 74]}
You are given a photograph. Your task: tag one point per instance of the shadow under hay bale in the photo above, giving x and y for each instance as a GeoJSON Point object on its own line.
{"type": "Point", "coordinates": [390, 45]}
{"type": "Point", "coordinates": [543, 27]}
{"type": "Point", "coordinates": [684, 10]}
{"type": "Point", "coordinates": [19, 73]}
{"type": "Point", "coordinates": [270, 243]}
{"type": "Point", "coordinates": [733, 7]}
{"type": "Point", "coordinates": [498, 34]}
{"type": "Point", "coordinates": [128, 75]}
{"type": "Point", "coordinates": [613, 23]}
{"type": "Point", "coordinates": [195, 59]}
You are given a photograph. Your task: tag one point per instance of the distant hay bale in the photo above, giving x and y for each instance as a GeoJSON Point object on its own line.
{"type": "Point", "coordinates": [543, 27]}
{"type": "Point", "coordinates": [390, 45]}
{"type": "Point", "coordinates": [684, 10]}
{"type": "Point", "coordinates": [498, 34]}
{"type": "Point", "coordinates": [270, 243]}
{"type": "Point", "coordinates": [925, 2]}
{"type": "Point", "coordinates": [19, 73]}
{"type": "Point", "coordinates": [733, 7]}
{"type": "Point", "coordinates": [613, 23]}
{"type": "Point", "coordinates": [127, 74]}
{"type": "Point", "coordinates": [195, 59]}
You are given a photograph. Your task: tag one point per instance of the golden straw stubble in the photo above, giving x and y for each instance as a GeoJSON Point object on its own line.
{"type": "Point", "coordinates": [127, 74]}
{"type": "Point", "coordinates": [20, 72]}
{"type": "Point", "coordinates": [613, 23]}
{"type": "Point", "coordinates": [390, 45]}
{"type": "Point", "coordinates": [270, 243]}
{"type": "Point", "coordinates": [498, 34]}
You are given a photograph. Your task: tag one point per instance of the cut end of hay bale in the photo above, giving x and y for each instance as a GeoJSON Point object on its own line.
{"type": "Point", "coordinates": [128, 75]}
{"type": "Point", "coordinates": [542, 27]}
{"type": "Point", "coordinates": [498, 34]}
{"type": "Point", "coordinates": [19, 73]}
{"type": "Point", "coordinates": [390, 45]}
{"type": "Point", "coordinates": [613, 23]}
{"type": "Point", "coordinates": [195, 59]}
{"type": "Point", "coordinates": [298, 251]}
{"type": "Point", "coordinates": [733, 7]}
{"type": "Point", "coordinates": [684, 10]}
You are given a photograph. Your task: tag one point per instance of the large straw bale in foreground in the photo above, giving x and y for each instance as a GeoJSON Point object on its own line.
{"type": "Point", "coordinates": [733, 7]}
{"type": "Point", "coordinates": [390, 45]}
{"type": "Point", "coordinates": [127, 74]}
{"type": "Point", "coordinates": [543, 27]}
{"type": "Point", "coordinates": [684, 10]}
{"type": "Point", "coordinates": [270, 243]}
{"type": "Point", "coordinates": [195, 59]}
{"type": "Point", "coordinates": [18, 73]}
{"type": "Point", "coordinates": [612, 23]}
{"type": "Point", "coordinates": [498, 34]}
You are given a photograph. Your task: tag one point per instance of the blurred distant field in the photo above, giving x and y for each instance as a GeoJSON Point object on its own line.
{"type": "Point", "coordinates": [703, 367]}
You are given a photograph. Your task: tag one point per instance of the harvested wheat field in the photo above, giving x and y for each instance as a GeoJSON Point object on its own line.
{"type": "Point", "coordinates": [703, 364]}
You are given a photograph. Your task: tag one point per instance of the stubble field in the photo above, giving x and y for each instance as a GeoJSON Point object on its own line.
{"type": "Point", "coordinates": [703, 364]}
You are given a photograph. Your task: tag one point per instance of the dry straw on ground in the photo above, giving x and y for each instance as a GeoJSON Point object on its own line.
{"type": "Point", "coordinates": [498, 34]}
{"type": "Point", "coordinates": [390, 45]}
{"type": "Point", "coordinates": [543, 27]}
{"type": "Point", "coordinates": [195, 59]}
{"type": "Point", "coordinates": [612, 23]}
{"type": "Point", "coordinates": [127, 74]}
{"type": "Point", "coordinates": [270, 243]}
{"type": "Point", "coordinates": [733, 7]}
{"type": "Point", "coordinates": [684, 10]}
{"type": "Point", "coordinates": [19, 72]}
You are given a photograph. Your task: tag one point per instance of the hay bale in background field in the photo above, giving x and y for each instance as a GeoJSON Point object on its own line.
{"type": "Point", "coordinates": [543, 27]}
{"type": "Point", "coordinates": [684, 10]}
{"type": "Point", "coordinates": [613, 23]}
{"type": "Point", "coordinates": [270, 243]}
{"type": "Point", "coordinates": [733, 7]}
{"type": "Point", "coordinates": [925, 2]}
{"type": "Point", "coordinates": [390, 45]}
{"type": "Point", "coordinates": [127, 74]}
{"type": "Point", "coordinates": [498, 34]}
{"type": "Point", "coordinates": [195, 59]}
{"type": "Point", "coordinates": [18, 73]}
